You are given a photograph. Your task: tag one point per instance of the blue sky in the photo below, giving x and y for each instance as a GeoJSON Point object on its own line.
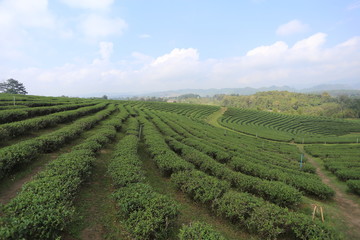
{"type": "Point", "coordinates": [79, 47]}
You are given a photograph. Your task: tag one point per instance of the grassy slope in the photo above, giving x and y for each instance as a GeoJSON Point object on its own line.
{"type": "Point", "coordinates": [342, 216]}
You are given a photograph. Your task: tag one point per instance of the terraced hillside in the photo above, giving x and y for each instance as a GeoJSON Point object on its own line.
{"type": "Point", "coordinates": [282, 127]}
{"type": "Point", "coordinates": [91, 169]}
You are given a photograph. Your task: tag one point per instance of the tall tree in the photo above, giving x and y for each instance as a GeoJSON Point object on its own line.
{"type": "Point", "coordinates": [12, 86]}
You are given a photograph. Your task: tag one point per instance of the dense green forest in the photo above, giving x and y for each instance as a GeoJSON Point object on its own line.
{"type": "Point", "coordinates": [324, 104]}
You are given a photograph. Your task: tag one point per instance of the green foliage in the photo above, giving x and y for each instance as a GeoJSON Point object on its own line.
{"type": "Point", "coordinates": [307, 184]}
{"type": "Point", "coordinates": [354, 185]}
{"type": "Point", "coordinates": [12, 86]}
{"type": "Point", "coordinates": [199, 231]}
{"type": "Point", "coordinates": [268, 164]}
{"type": "Point", "coordinates": [305, 228]}
{"type": "Point", "coordinates": [323, 104]}
{"type": "Point", "coordinates": [125, 166]}
{"type": "Point", "coordinates": [268, 220]}
{"type": "Point", "coordinates": [276, 192]}
{"type": "Point", "coordinates": [44, 206]}
{"type": "Point", "coordinates": [283, 127]}
{"type": "Point", "coordinates": [14, 129]}
{"type": "Point", "coordinates": [244, 179]}
{"type": "Point", "coordinates": [167, 161]}
{"type": "Point", "coordinates": [7, 116]}
{"type": "Point", "coordinates": [188, 110]}
{"type": "Point", "coordinates": [347, 174]}
{"type": "Point", "coordinates": [341, 160]}
{"type": "Point", "coordinates": [148, 214]}
{"type": "Point", "coordinates": [25, 151]}
{"type": "Point", "coordinates": [200, 186]}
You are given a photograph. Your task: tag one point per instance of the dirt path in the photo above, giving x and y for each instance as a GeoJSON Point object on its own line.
{"type": "Point", "coordinates": [349, 209]}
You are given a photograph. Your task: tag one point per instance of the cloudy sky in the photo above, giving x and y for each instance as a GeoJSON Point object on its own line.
{"type": "Point", "coordinates": [79, 47]}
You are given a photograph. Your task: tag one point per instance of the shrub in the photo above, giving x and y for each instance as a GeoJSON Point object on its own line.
{"type": "Point", "coordinates": [199, 231]}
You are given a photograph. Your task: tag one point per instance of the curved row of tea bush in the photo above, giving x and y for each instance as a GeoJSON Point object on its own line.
{"type": "Point", "coordinates": [11, 107]}
{"type": "Point", "coordinates": [148, 214]}
{"type": "Point", "coordinates": [354, 185]}
{"type": "Point", "coordinates": [254, 214]}
{"type": "Point", "coordinates": [284, 127]}
{"type": "Point", "coordinates": [199, 231]}
{"type": "Point", "coordinates": [166, 160]}
{"type": "Point", "coordinates": [290, 123]}
{"type": "Point", "coordinates": [189, 110]}
{"type": "Point", "coordinates": [26, 151]}
{"type": "Point", "coordinates": [13, 115]}
{"type": "Point", "coordinates": [281, 157]}
{"type": "Point", "coordinates": [44, 206]}
{"type": "Point", "coordinates": [273, 191]}
{"type": "Point", "coordinates": [14, 129]}
{"type": "Point", "coordinates": [212, 191]}
{"type": "Point", "coordinates": [308, 183]}
{"type": "Point", "coordinates": [125, 166]}
{"type": "Point", "coordinates": [7, 97]}
{"type": "Point", "coordinates": [35, 103]}
{"type": "Point", "coordinates": [278, 155]}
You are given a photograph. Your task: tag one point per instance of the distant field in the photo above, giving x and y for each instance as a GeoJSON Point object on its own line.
{"type": "Point", "coordinates": [79, 168]}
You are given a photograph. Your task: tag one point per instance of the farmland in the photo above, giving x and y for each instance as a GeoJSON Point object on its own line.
{"type": "Point", "coordinates": [103, 169]}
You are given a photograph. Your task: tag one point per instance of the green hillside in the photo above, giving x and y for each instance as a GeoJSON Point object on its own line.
{"type": "Point", "coordinates": [91, 168]}
{"type": "Point", "coordinates": [285, 127]}
{"type": "Point", "coordinates": [340, 106]}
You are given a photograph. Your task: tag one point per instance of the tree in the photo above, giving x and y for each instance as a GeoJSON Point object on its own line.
{"type": "Point", "coordinates": [12, 86]}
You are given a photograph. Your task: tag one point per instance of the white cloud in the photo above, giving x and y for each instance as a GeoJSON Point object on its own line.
{"type": "Point", "coordinates": [275, 49]}
{"type": "Point", "coordinates": [306, 63]}
{"type": "Point", "coordinates": [106, 49]}
{"type": "Point", "coordinates": [25, 13]}
{"type": "Point", "coordinates": [354, 5]}
{"type": "Point", "coordinates": [292, 27]}
{"type": "Point", "coordinates": [177, 56]}
{"type": "Point", "coordinates": [89, 4]}
{"type": "Point", "coordinates": [17, 19]}
{"type": "Point", "coordinates": [141, 58]}
{"type": "Point", "coordinates": [97, 26]}
{"type": "Point", "coordinates": [144, 35]}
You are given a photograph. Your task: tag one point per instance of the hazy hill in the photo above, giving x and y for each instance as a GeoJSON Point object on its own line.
{"type": "Point", "coordinates": [333, 90]}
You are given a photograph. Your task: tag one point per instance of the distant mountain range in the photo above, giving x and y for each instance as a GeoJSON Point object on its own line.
{"type": "Point", "coordinates": [332, 89]}
{"type": "Point", "coordinates": [214, 91]}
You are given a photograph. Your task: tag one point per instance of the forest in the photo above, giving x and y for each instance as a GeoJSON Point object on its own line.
{"type": "Point", "coordinates": [341, 106]}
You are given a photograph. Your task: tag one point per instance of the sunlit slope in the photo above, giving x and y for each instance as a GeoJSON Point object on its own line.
{"type": "Point", "coordinates": [282, 127]}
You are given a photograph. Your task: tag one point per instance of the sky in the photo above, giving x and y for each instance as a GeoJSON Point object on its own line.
{"type": "Point", "coordinates": [92, 47]}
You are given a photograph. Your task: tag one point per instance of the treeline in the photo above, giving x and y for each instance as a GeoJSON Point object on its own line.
{"type": "Point", "coordinates": [288, 102]}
